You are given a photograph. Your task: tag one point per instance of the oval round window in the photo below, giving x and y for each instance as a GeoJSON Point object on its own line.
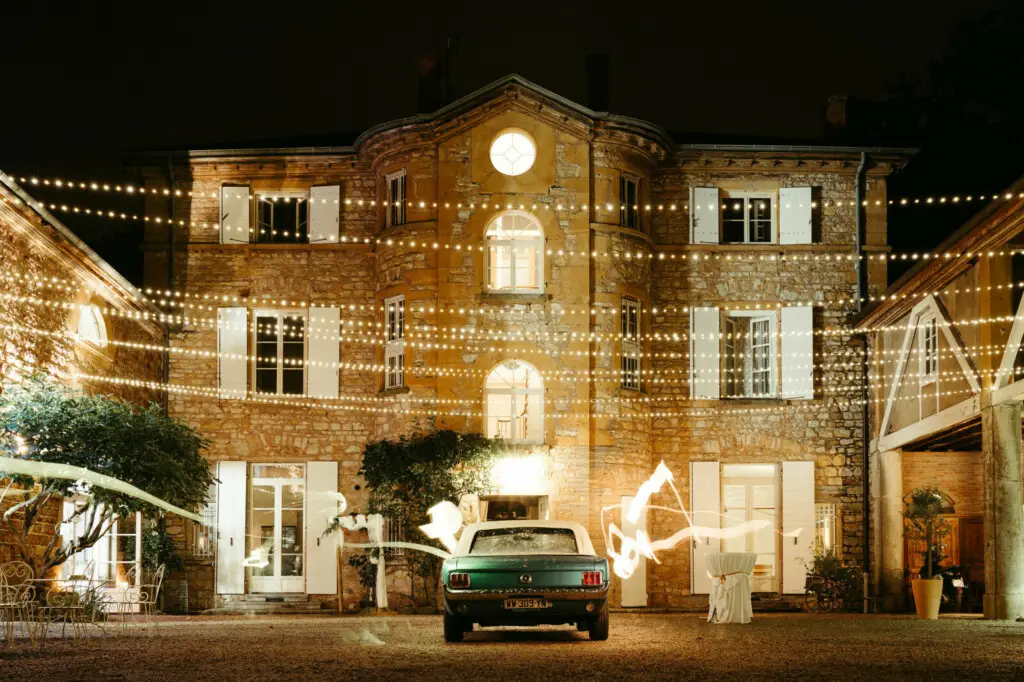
{"type": "Point", "coordinates": [513, 152]}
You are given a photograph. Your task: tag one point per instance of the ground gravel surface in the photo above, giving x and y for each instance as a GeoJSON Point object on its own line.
{"type": "Point", "coordinates": [641, 646]}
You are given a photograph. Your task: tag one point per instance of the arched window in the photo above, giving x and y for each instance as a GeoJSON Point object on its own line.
{"type": "Point", "coordinates": [515, 254]}
{"type": "Point", "coordinates": [91, 327]}
{"type": "Point", "coordinates": [514, 399]}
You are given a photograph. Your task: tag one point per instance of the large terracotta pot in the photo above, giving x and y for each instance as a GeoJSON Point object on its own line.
{"type": "Point", "coordinates": [927, 597]}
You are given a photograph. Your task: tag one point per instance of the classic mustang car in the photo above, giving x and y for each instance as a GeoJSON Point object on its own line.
{"type": "Point", "coordinates": [525, 573]}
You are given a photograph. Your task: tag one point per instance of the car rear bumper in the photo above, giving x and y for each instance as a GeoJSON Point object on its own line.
{"type": "Point", "coordinates": [487, 606]}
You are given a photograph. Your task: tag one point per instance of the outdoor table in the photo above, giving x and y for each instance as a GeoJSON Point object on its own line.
{"type": "Point", "coordinates": [731, 574]}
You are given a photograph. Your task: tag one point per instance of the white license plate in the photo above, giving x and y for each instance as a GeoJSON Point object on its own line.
{"type": "Point", "coordinates": [527, 603]}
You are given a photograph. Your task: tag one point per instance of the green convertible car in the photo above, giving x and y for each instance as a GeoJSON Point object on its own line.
{"type": "Point", "coordinates": [525, 573]}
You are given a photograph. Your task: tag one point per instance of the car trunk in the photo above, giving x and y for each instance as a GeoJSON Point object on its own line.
{"type": "Point", "coordinates": [545, 570]}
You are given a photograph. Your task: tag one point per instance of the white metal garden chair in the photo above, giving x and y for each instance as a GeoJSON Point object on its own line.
{"type": "Point", "coordinates": [139, 598]}
{"type": "Point", "coordinates": [17, 598]}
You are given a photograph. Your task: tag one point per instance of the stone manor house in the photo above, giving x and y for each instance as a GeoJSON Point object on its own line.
{"type": "Point", "coordinates": [597, 294]}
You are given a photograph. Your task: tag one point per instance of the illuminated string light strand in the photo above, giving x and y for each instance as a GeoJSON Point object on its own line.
{"type": "Point", "coordinates": [129, 189]}
{"type": "Point", "coordinates": [704, 409]}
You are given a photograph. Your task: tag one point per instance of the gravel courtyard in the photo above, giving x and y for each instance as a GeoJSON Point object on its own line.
{"type": "Point", "coordinates": [641, 646]}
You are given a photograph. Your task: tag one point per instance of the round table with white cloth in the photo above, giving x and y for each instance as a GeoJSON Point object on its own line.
{"type": "Point", "coordinates": [731, 574]}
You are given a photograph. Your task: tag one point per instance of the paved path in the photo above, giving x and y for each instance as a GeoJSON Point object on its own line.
{"type": "Point", "coordinates": [655, 646]}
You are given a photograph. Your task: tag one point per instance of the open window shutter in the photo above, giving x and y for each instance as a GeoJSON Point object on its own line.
{"type": "Point", "coordinates": [234, 214]}
{"type": "Point", "coordinates": [322, 372]}
{"type": "Point", "coordinates": [634, 588]}
{"type": "Point", "coordinates": [798, 352]}
{"type": "Point", "coordinates": [324, 214]}
{"type": "Point", "coordinates": [797, 513]}
{"type": "Point", "coordinates": [795, 215]}
{"type": "Point", "coordinates": [704, 351]}
{"type": "Point", "coordinates": [321, 507]}
{"type": "Point", "coordinates": [231, 527]}
{"type": "Point", "coordinates": [706, 512]}
{"type": "Point", "coordinates": [232, 364]}
{"type": "Point", "coordinates": [704, 215]}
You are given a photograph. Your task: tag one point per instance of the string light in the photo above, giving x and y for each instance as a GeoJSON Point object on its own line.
{"type": "Point", "coordinates": [732, 252]}
{"type": "Point", "coordinates": [129, 189]}
{"type": "Point", "coordinates": [702, 410]}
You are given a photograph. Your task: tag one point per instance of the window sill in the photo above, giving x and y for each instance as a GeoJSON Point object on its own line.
{"type": "Point", "coordinates": [513, 297]}
{"type": "Point", "coordinates": [927, 381]}
{"type": "Point", "coordinates": [397, 390]}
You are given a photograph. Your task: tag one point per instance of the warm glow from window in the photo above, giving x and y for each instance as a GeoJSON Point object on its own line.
{"type": "Point", "coordinates": [520, 475]}
{"type": "Point", "coordinates": [515, 253]}
{"type": "Point", "coordinates": [91, 328]}
{"type": "Point", "coordinates": [514, 397]}
{"type": "Point", "coordinates": [513, 152]}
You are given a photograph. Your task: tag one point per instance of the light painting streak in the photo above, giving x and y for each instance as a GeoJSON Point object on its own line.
{"type": "Point", "coordinates": [445, 522]}
{"type": "Point", "coordinates": [26, 467]}
{"type": "Point", "coordinates": [632, 549]}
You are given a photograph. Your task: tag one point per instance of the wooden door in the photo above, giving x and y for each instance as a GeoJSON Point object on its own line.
{"type": "Point", "coordinates": [972, 548]}
{"type": "Point", "coordinates": [915, 548]}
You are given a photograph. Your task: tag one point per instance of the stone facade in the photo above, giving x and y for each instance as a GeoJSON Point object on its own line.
{"type": "Point", "coordinates": [48, 274]}
{"type": "Point", "coordinates": [599, 440]}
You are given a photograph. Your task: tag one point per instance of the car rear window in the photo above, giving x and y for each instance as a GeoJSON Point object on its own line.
{"type": "Point", "coordinates": [524, 541]}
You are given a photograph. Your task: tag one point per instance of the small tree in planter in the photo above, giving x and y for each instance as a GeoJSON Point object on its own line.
{"type": "Point", "coordinates": [408, 476]}
{"type": "Point", "coordinates": [922, 511]}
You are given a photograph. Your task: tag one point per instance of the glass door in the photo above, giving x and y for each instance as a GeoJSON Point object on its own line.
{"type": "Point", "coordinates": [276, 528]}
{"type": "Point", "coordinates": [749, 493]}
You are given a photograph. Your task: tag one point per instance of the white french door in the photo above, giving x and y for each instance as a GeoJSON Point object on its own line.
{"type": "Point", "coordinates": [750, 493]}
{"type": "Point", "coordinates": [277, 495]}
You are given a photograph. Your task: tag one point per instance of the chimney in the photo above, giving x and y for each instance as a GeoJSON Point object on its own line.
{"type": "Point", "coordinates": [434, 78]}
{"type": "Point", "coordinates": [598, 67]}
{"type": "Point", "coordinates": [428, 91]}
{"type": "Point", "coordinates": [835, 116]}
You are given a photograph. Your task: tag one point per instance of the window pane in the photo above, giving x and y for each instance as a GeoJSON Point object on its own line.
{"type": "Point", "coordinates": [292, 495]}
{"type": "Point", "coordinates": [499, 416]}
{"type": "Point", "coordinates": [263, 497]}
{"type": "Point", "coordinates": [291, 565]}
{"type": "Point", "coordinates": [760, 210]}
{"type": "Point", "coordinates": [734, 220]}
{"type": "Point", "coordinates": [291, 532]}
{"type": "Point", "coordinates": [261, 542]}
{"type": "Point", "coordinates": [278, 471]}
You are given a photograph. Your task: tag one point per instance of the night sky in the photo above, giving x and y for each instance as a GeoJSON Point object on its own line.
{"type": "Point", "coordinates": [86, 83]}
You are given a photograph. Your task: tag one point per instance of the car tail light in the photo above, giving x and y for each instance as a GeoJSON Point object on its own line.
{"type": "Point", "coordinates": [458, 580]}
{"type": "Point", "coordinates": [592, 578]}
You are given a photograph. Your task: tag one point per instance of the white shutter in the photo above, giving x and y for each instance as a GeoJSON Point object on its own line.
{"type": "Point", "coordinates": [634, 588]}
{"type": "Point", "coordinates": [321, 507]}
{"type": "Point", "coordinates": [706, 511]}
{"type": "Point", "coordinates": [234, 214]}
{"type": "Point", "coordinates": [231, 527]}
{"type": "Point", "coordinates": [797, 513]}
{"type": "Point", "coordinates": [705, 365]}
{"type": "Point", "coordinates": [795, 215]}
{"type": "Point", "coordinates": [232, 363]}
{"type": "Point", "coordinates": [324, 214]}
{"type": "Point", "coordinates": [704, 215]}
{"type": "Point", "coordinates": [322, 371]}
{"type": "Point", "coordinates": [798, 352]}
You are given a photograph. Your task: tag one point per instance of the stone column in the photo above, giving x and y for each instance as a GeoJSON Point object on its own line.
{"type": "Point", "coordinates": [890, 526]}
{"type": "Point", "coordinates": [1004, 512]}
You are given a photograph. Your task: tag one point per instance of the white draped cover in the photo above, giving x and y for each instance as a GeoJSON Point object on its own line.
{"type": "Point", "coordinates": [731, 585]}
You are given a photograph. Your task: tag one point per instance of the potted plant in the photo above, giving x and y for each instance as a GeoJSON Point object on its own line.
{"type": "Point", "coordinates": [922, 510]}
